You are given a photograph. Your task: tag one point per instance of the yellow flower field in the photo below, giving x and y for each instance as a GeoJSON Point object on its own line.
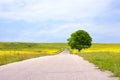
{"type": "Point", "coordinates": [11, 52]}
{"type": "Point", "coordinates": [109, 48]}
{"type": "Point", "coordinates": [12, 56]}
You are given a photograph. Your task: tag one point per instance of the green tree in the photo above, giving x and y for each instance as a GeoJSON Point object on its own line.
{"type": "Point", "coordinates": [80, 40]}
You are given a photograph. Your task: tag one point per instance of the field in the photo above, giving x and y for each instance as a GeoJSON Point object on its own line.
{"type": "Point", "coordinates": [106, 56]}
{"type": "Point", "coordinates": [11, 52]}
{"type": "Point", "coordinates": [115, 48]}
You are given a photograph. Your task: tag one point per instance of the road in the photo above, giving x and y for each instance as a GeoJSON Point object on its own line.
{"type": "Point", "coordinates": [63, 66]}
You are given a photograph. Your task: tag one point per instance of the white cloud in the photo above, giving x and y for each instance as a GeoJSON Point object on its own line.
{"type": "Point", "coordinates": [32, 10]}
{"type": "Point", "coordinates": [75, 14]}
{"type": "Point", "coordinates": [6, 1]}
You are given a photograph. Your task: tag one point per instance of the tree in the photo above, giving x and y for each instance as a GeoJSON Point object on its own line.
{"type": "Point", "coordinates": [79, 40]}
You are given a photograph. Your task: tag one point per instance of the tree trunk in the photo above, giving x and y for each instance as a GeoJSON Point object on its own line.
{"type": "Point", "coordinates": [79, 50]}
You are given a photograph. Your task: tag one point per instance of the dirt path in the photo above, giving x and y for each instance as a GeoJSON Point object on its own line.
{"type": "Point", "coordinates": [59, 67]}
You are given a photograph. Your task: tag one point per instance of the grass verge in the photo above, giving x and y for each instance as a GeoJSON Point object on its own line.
{"type": "Point", "coordinates": [105, 61]}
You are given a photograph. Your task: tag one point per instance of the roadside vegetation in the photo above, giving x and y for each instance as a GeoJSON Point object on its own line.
{"type": "Point", "coordinates": [14, 51]}
{"type": "Point", "coordinates": [105, 56]}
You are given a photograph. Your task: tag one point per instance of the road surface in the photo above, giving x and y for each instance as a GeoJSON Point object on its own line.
{"type": "Point", "coordinates": [63, 66]}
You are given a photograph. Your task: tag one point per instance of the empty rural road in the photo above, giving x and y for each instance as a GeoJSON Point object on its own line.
{"type": "Point", "coordinates": [63, 66]}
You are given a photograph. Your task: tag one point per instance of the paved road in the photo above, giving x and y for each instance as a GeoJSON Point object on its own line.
{"type": "Point", "coordinates": [59, 67]}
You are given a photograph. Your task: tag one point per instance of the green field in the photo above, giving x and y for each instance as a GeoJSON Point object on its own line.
{"type": "Point", "coordinates": [105, 61]}
{"type": "Point", "coordinates": [30, 46]}
{"type": "Point", "coordinates": [105, 56]}
{"type": "Point", "coordinates": [11, 52]}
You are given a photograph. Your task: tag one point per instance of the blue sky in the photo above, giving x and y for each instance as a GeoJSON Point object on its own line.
{"type": "Point", "coordinates": [54, 21]}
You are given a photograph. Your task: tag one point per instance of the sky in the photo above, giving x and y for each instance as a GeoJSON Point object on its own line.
{"type": "Point", "coordinates": [55, 20]}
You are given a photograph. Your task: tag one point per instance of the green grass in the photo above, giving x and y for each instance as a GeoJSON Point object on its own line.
{"type": "Point", "coordinates": [14, 51]}
{"type": "Point", "coordinates": [5, 59]}
{"type": "Point", "coordinates": [105, 56]}
{"type": "Point", "coordinates": [30, 46]}
{"type": "Point", "coordinates": [105, 61]}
